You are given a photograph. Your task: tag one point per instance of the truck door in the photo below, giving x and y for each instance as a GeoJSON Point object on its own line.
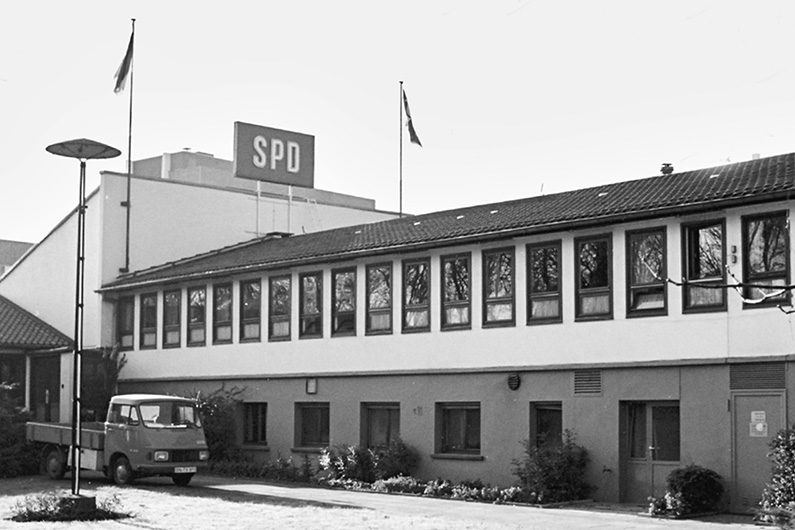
{"type": "Point", "coordinates": [122, 432]}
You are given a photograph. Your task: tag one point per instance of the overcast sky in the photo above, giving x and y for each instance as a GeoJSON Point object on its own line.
{"type": "Point", "coordinates": [511, 98]}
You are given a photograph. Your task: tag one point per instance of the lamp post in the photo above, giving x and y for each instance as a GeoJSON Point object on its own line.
{"type": "Point", "coordinates": [83, 150]}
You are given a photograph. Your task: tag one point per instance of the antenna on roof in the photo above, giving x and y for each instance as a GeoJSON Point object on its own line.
{"type": "Point", "coordinates": [667, 168]}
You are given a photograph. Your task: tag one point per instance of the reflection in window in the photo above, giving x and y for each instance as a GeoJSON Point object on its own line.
{"type": "Point", "coordinates": [279, 317]}
{"type": "Point", "coordinates": [125, 322]}
{"type": "Point", "coordinates": [498, 287]}
{"type": "Point", "coordinates": [250, 310]}
{"type": "Point", "coordinates": [455, 292]}
{"type": "Point", "coordinates": [197, 316]}
{"type": "Point", "coordinates": [546, 421]}
{"type": "Point", "coordinates": [766, 244]}
{"type": "Point", "coordinates": [382, 421]}
{"type": "Point", "coordinates": [636, 419]}
{"type": "Point", "coordinates": [148, 321]}
{"type": "Point", "coordinates": [593, 277]}
{"type": "Point", "coordinates": [379, 298]}
{"type": "Point", "coordinates": [222, 313]}
{"type": "Point", "coordinates": [344, 302]}
{"type": "Point", "coordinates": [704, 266]}
{"type": "Point", "coordinates": [311, 305]}
{"type": "Point", "coordinates": [172, 318]}
{"type": "Point", "coordinates": [416, 295]}
{"type": "Point", "coordinates": [646, 262]}
{"type": "Point", "coordinates": [543, 286]}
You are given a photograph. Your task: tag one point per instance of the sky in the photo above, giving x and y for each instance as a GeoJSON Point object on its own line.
{"type": "Point", "coordinates": [510, 98]}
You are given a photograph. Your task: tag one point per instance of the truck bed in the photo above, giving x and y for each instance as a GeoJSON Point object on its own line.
{"type": "Point", "coordinates": [92, 434]}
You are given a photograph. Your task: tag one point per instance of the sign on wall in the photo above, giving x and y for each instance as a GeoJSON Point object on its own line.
{"type": "Point", "coordinates": [274, 155]}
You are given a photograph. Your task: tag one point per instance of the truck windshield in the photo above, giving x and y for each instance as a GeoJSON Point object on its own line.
{"type": "Point", "coordinates": [169, 414]}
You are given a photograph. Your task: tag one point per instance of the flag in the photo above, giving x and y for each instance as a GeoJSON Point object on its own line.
{"type": "Point", "coordinates": [412, 133]}
{"type": "Point", "coordinates": [124, 67]}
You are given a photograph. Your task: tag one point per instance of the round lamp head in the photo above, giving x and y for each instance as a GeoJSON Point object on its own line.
{"type": "Point", "coordinates": [83, 149]}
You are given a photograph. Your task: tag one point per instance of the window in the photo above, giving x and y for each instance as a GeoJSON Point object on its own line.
{"type": "Point", "coordinates": [379, 298]}
{"type": "Point", "coordinates": [256, 415]}
{"type": "Point", "coordinates": [766, 256]}
{"type": "Point", "coordinates": [543, 284]}
{"type": "Point", "coordinates": [126, 414]}
{"type": "Point", "coordinates": [250, 310]}
{"type": "Point", "coordinates": [172, 319]}
{"type": "Point", "coordinates": [197, 316]}
{"type": "Point", "coordinates": [279, 317]}
{"type": "Point", "coordinates": [312, 421]}
{"type": "Point", "coordinates": [125, 322]}
{"type": "Point", "coordinates": [498, 287]}
{"type": "Point", "coordinates": [148, 321]}
{"type": "Point", "coordinates": [416, 295]}
{"type": "Point", "coordinates": [646, 272]}
{"type": "Point", "coordinates": [704, 266]}
{"type": "Point", "coordinates": [311, 305]}
{"type": "Point", "coordinates": [460, 427]}
{"type": "Point", "coordinates": [381, 423]}
{"type": "Point", "coordinates": [343, 305]}
{"type": "Point", "coordinates": [222, 313]}
{"type": "Point", "coordinates": [594, 296]}
{"type": "Point", "coordinates": [456, 289]}
{"type": "Point", "coordinates": [546, 424]}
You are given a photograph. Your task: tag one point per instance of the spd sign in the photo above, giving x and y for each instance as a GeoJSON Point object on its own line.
{"type": "Point", "coordinates": [274, 155]}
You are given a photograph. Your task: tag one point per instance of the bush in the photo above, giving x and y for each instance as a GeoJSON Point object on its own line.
{"type": "Point", "coordinates": [778, 498]}
{"type": "Point", "coordinates": [57, 506]}
{"type": "Point", "coordinates": [397, 459]}
{"type": "Point", "coordinates": [553, 473]}
{"type": "Point", "coordinates": [399, 484]}
{"type": "Point", "coordinates": [691, 489]}
{"type": "Point", "coordinates": [366, 465]}
{"type": "Point", "coordinates": [218, 412]}
{"type": "Point", "coordinates": [17, 457]}
{"type": "Point", "coordinates": [282, 469]}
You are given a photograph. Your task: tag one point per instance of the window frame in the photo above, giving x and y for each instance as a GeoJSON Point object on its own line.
{"type": "Point", "coordinates": [535, 421]}
{"type": "Point", "coordinates": [752, 277]}
{"type": "Point", "coordinates": [255, 423]}
{"type": "Point", "coordinates": [147, 318]}
{"type": "Point", "coordinates": [421, 307]}
{"type": "Point", "coordinates": [532, 295]}
{"type": "Point", "coordinates": [305, 317]}
{"type": "Point", "coordinates": [198, 324]}
{"type": "Point", "coordinates": [392, 410]}
{"type": "Point", "coordinates": [455, 304]}
{"type": "Point", "coordinates": [218, 324]}
{"type": "Point", "coordinates": [125, 307]}
{"type": "Point", "coordinates": [445, 424]}
{"type": "Point", "coordinates": [662, 284]}
{"type": "Point", "coordinates": [379, 311]}
{"type": "Point", "coordinates": [581, 292]}
{"type": "Point", "coordinates": [487, 300]}
{"type": "Point", "coordinates": [324, 424]}
{"type": "Point", "coordinates": [349, 316]}
{"type": "Point", "coordinates": [168, 326]}
{"type": "Point", "coordinates": [245, 318]}
{"type": "Point", "coordinates": [279, 319]}
{"type": "Point", "coordinates": [687, 230]}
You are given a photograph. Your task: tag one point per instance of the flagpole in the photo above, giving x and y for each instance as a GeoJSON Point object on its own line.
{"type": "Point", "coordinates": [129, 160]}
{"type": "Point", "coordinates": [400, 104]}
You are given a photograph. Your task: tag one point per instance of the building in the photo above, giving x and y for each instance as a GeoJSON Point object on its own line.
{"type": "Point", "coordinates": [181, 204]}
{"type": "Point", "coordinates": [648, 317]}
{"type": "Point", "coordinates": [10, 252]}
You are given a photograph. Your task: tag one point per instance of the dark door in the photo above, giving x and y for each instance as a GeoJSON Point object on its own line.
{"type": "Point", "coordinates": [45, 387]}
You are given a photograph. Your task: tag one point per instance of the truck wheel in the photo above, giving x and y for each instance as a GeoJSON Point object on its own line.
{"type": "Point", "coordinates": [182, 479]}
{"type": "Point", "coordinates": [122, 471]}
{"type": "Point", "coordinates": [55, 464]}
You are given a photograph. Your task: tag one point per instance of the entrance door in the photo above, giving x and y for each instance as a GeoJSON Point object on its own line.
{"type": "Point", "coordinates": [45, 388]}
{"type": "Point", "coordinates": [756, 419]}
{"type": "Point", "coordinates": [650, 438]}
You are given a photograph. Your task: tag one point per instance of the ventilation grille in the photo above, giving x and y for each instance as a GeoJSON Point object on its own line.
{"type": "Point", "coordinates": [587, 382]}
{"type": "Point", "coordinates": [757, 376]}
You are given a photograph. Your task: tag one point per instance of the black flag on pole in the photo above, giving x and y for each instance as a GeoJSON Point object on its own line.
{"type": "Point", "coordinates": [412, 133]}
{"type": "Point", "coordinates": [124, 67]}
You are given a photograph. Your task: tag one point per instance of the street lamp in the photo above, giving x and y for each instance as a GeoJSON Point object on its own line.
{"type": "Point", "coordinates": [83, 150]}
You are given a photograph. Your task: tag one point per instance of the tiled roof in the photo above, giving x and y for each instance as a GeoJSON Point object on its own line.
{"type": "Point", "coordinates": [764, 179]}
{"type": "Point", "coordinates": [20, 330]}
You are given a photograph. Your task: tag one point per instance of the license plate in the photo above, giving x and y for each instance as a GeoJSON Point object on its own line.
{"type": "Point", "coordinates": [189, 469]}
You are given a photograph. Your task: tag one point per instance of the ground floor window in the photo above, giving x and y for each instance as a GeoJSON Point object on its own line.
{"type": "Point", "coordinates": [546, 424]}
{"type": "Point", "coordinates": [256, 415]}
{"type": "Point", "coordinates": [381, 424]}
{"type": "Point", "coordinates": [458, 427]}
{"type": "Point", "coordinates": [653, 431]}
{"type": "Point", "coordinates": [312, 424]}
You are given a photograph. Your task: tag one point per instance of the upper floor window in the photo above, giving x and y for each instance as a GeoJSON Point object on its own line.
{"type": "Point", "coordinates": [543, 284]}
{"type": "Point", "coordinates": [766, 256]}
{"type": "Point", "coordinates": [593, 266]}
{"type": "Point", "coordinates": [704, 266]}
{"type": "Point", "coordinates": [498, 299]}
{"type": "Point", "coordinates": [197, 316]}
{"type": "Point", "coordinates": [379, 298]}
{"type": "Point", "coordinates": [222, 313]}
{"type": "Point", "coordinates": [148, 321]}
{"type": "Point", "coordinates": [279, 317]}
{"type": "Point", "coordinates": [311, 285]}
{"type": "Point", "coordinates": [250, 310]}
{"type": "Point", "coordinates": [125, 322]}
{"type": "Point", "coordinates": [416, 295]}
{"type": "Point", "coordinates": [456, 287]}
{"type": "Point", "coordinates": [343, 305]}
{"type": "Point", "coordinates": [646, 272]}
{"type": "Point", "coordinates": [172, 318]}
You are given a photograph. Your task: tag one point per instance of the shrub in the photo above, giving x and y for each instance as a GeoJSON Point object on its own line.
{"type": "Point", "coordinates": [17, 457]}
{"type": "Point", "coordinates": [57, 506]}
{"type": "Point", "coordinates": [553, 473]}
{"type": "Point", "coordinates": [397, 459]}
{"type": "Point", "coordinates": [218, 412]}
{"type": "Point", "coordinates": [691, 489]}
{"type": "Point", "coordinates": [348, 462]}
{"type": "Point", "coordinates": [778, 497]}
{"type": "Point", "coordinates": [399, 484]}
